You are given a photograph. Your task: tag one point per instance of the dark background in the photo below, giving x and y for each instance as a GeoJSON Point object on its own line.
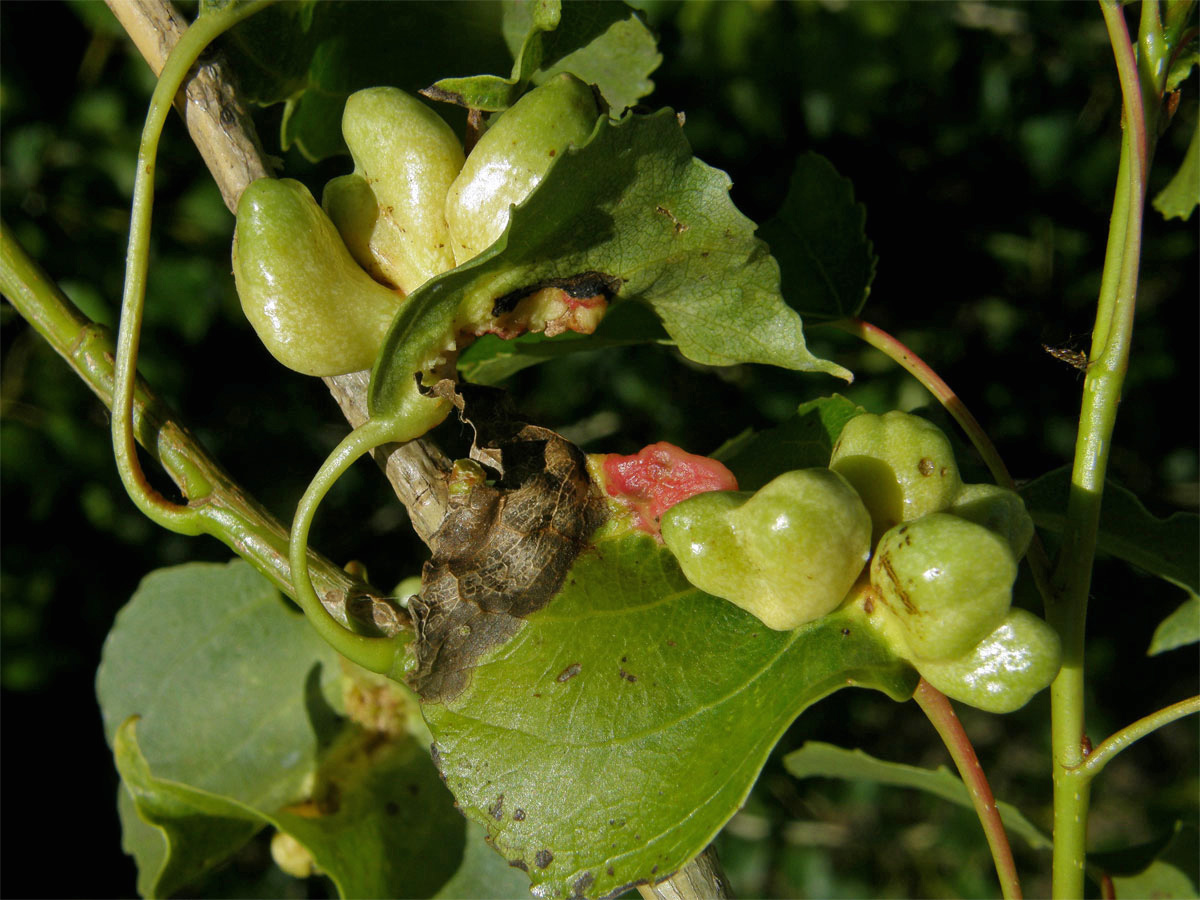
{"type": "Point", "coordinates": [983, 140]}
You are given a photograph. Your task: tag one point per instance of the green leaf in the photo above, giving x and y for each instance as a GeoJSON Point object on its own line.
{"type": "Point", "coordinates": [821, 760]}
{"type": "Point", "coordinates": [804, 441]}
{"type": "Point", "coordinates": [234, 691]}
{"type": "Point", "coordinates": [819, 238]}
{"type": "Point", "coordinates": [1162, 547]}
{"type": "Point", "coordinates": [603, 43]}
{"type": "Point", "coordinates": [1182, 193]}
{"type": "Point", "coordinates": [1129, 861]}
{"type": "Point", "coordinates": [180, 833]}
{"type": "Point", "coordinates": [313, 56]}
{"type": "Point", "coordinates": [1179, 629]}
{"type": "Point", "coordinates": [490, 360]}
{"type": "Point", "coordinates": [392, 830]}
{"type": "Point", "coordinates": [632, 207]}
{"type": "Point", "coordinates": [235, 694]}
{"type": "Point", "coordinates": [1160, 880]}
{"type": "Point", "coordinates": [612, 737]}
{"type": "Point", "coordinates": [619, 62]}
{"type": "Point", "coordinates": [1183, 63]}
{"type": "Point", "coordinates": [484, 875]}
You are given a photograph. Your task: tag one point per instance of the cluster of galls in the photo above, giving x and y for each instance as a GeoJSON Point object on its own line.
{"type": "Point", "coordinates": [889, 525]}
{"type": "Point", "coordinates": [321, 284]}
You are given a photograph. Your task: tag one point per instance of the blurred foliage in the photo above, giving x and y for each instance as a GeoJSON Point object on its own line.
{"type": "Point", "coordinates": [982, 139]}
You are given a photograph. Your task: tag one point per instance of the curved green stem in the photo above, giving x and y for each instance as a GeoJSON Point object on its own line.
{"type": "Point", "coordinates": [1107, 749]}
{"type": "Point", "coordinates": [377, 654]}
{"type": "Point", "coordinates": [169, 515]}
{"type": "Point", "coordinates": [941, 714]}
{"type": "Point", "coordinates": [227, 511]}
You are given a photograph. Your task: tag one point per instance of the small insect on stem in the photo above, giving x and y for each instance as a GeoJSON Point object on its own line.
{"type": "Point", "coordinates": [1074, 358]}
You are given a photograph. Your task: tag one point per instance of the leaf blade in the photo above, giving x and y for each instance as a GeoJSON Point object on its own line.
{"type": "Point", "coordinates": [819, 236]}
{"type": "Point", "coordinates": [1162, 547]}
{"type": "Point", "coordinates": [816, 759]}
{"type": "Point", "coordinates": [631, 681]}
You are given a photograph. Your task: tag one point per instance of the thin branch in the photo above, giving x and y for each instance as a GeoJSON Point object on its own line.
{"type": "Point", "coordinates": [219, 125]}
{"type": "Point", "coordinates": [227, 140]}
{"type": "Point", "coordinates": [1108, 358]}
{"type": "Point", "coordinates": [701, 879]}
{"type": "Point", "coordinates": [1107, 749]}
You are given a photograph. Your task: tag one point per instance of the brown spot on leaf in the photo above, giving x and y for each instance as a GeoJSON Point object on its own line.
{"type": "Point", "coordinates": [519, 814]}
{"type": "Point", "coordinates": [496, 810]}
{"type": "Point", "coordinates": [680, 227]}
{"type": "Point", "coordinates": [926, 466]}
{"type": "Point", "coordinates": [503, 550]}
{"type": "Point", "coordinates": [519, 864]}
{"type": "Point", "coordinates": [433, 92]}
{"type": "Point", "coordinates": [582, 883]}
{"type": "Point", "coordinates": [627, 676]}
{"type": "Point", "coordinates": [543, 858]}
{"type": "Point", "coordinates": [569, 672]}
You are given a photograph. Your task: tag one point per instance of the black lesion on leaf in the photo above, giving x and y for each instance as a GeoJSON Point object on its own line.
{"type": "Point", "coordinates": [581, 286]}
{"type": "Point", "coordinates": [503, 550]}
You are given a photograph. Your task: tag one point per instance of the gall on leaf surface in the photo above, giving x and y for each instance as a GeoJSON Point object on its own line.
{"type": "Point", "coordinates": [635, 210]}
{"type": "Point", "coordinates": [312, 55]}
{"type": "Point", "coordinates": [610, 739]}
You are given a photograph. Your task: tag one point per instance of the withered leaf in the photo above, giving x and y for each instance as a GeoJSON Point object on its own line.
{"type": "Point", "coordinates": [502, 550]}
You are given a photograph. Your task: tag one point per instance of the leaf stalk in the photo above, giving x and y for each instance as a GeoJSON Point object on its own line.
{"type": "Point", "coordinates": [1107, 749]}
{"type": "Point", "coordinates": [175, 517]}
{"type": "Point", "coordinates": [941, 714]}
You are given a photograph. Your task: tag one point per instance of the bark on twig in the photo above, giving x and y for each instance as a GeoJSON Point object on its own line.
{"type": "Point", "coordinates": [225, 135]}
{"type": "Point", "coordinates": [701, 879]}
{"type": "Point", "coordinates": [220, 127]}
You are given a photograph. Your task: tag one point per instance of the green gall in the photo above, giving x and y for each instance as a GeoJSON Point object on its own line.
{"type": "Point", "coordinates": [512, 157]}
{"type": "Point", "coordinates": [310, 303]}
{"type": "Point", "coordinates": [901, 465]}
{"type": "Point", "coordinates": [1019, 658]}
{"type": "Point", "coordinates": [787, 554]}
{"type": "Point", "coordinates": [947, 581]}
{"type": "Point", "coordinates": [391, 210]}
{"type": "Point", "coordinates": [996, 509]}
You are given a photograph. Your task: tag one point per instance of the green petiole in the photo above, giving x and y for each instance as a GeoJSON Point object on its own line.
{"type": "Point", "coordinates": [208, 27]}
